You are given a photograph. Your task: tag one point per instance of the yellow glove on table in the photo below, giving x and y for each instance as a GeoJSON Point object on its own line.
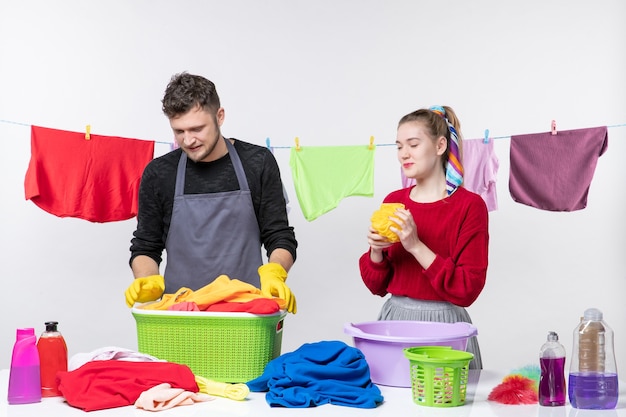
{"type": "Point", "coordinates": [237, 392]}
{"type": "Point", "coordinates": [145, 289]}
{"type": "Point", "coordinates": [273, 277]}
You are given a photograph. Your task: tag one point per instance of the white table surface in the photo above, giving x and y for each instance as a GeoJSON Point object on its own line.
{"type": "Point", "coordinates": [398, 403]}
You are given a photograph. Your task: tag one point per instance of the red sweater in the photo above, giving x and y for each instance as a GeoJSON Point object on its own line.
{"type": "Point", "coordinates": [456, 230]}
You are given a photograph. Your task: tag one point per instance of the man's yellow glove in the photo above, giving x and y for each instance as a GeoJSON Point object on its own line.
{"type": "Point", "coordinates": [273, 277]}
{"type": "Point", "coordinates": [145, 289]}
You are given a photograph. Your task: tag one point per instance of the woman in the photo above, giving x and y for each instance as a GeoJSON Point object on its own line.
{"type": "Point", "coordinates": [439, 265]}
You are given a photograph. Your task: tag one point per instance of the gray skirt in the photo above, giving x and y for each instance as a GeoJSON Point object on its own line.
{"type": "Point", "coordinates": [406, 308]}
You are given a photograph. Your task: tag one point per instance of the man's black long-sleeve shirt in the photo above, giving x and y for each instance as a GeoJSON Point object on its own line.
{"type": "Point", "coordinates": [156, 197]}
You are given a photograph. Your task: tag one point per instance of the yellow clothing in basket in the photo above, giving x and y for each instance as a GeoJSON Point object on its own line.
{"type": "Point", "coordinates": [221, 289]}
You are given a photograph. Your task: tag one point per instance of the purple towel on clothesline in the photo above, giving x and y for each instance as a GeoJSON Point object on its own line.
{"type": "Point", "coordinates": [554, 172]}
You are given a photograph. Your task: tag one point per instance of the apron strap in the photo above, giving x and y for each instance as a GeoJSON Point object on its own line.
{"type": "Point", "coordinates": [234, 157]}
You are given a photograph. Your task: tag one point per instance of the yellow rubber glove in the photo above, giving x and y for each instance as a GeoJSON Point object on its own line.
{"type": "Point", "coordinates": [273, 277]}
{"type": "Point", "coordinates": [145, 289]}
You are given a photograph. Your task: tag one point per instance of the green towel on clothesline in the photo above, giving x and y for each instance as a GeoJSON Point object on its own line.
{"type": "Point", "coordinates": [324, 175]}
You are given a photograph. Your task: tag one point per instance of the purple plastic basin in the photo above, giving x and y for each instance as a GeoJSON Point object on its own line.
{"type": "Point", "coordinates": [382, 343]}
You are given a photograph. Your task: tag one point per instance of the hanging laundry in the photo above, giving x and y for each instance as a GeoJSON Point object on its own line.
{"type": "Point", "coordinates": [96, 179]}
{"type": "Point", "coordinates": [480, 165]}
{"type": "Point", "coordinates": [481, 168]}
{"type": "Point", "coordinates": [324, 175]}
{"type": "Point", "coordinates": [554, 172]}
{"type": "Point", "coordinates": [271, 148]}
{"type": "Point", "coordinates": [406, 182]}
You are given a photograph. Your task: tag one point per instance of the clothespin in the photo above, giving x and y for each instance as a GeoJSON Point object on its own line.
{"type": "Point", "coordinates": [486, 139]}
{"type": "Point", "coordinates": [371, 146]}
{"type": "Point", "coordinates": [297, 144]}
{"type": "Point", "coordinates": [88, 132]}
{"type": "Point", "coordinates": [267, 142]}
{"type": "Point", "coordinates": [553, 128]}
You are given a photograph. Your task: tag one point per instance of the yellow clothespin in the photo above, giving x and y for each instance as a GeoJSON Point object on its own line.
{"type": "Point", "coordinates": [371, 143]}
{"type": "Point", "coordinates": [88, 132]}
{"type": "Point", "coordinates": [297, 144]}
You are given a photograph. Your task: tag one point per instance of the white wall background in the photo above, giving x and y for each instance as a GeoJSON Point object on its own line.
{"type": "Point", "coordinates": [331, 73]}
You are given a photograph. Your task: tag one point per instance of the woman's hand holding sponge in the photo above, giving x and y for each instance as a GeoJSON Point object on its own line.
{"type": "Point", "coordinates": [381, 221]}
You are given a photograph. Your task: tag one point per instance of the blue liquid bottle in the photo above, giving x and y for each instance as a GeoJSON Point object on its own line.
{"type": "Point", "coordinates": [593, 371]}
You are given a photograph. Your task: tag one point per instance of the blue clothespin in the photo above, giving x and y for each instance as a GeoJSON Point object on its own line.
{"type": "Point", "coordinates": [267, 142]}
{"type": "Point", "coordinates": [486, 139]}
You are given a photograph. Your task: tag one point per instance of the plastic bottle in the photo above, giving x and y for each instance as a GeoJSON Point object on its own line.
{"type": "Point", "coordinates": [552, 381]}
{"type": "Point", "coordinates": [24, 380]}
{"type": "Point", "coordinates": [53, 358]}
{"type": "Point", "coordinates": [593, 382]}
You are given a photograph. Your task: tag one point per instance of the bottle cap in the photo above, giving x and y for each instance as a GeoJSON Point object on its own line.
{"type": "Point", "coordinates": [25, 332]}
{"type": "Point", "coordinates": [593, 314]}
{"type": "Point", "coordinates": [51, 326]}
{"type": "Point", "coordinates": [553, 336]}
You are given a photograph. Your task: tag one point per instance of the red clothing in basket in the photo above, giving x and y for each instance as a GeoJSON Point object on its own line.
{"type": "Point", "coordinates": [456, 229]}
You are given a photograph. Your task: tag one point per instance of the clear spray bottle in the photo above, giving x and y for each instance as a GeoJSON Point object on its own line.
{"type": "Point", "coordinates": [552, 380]}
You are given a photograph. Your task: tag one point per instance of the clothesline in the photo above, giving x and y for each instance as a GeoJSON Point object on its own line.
{"type": "Point", "coordinates": [483, 138]}
{"type": "Point", "coordinates": [28, 125]}
{"type": "Point", "coordinates": [267, 140]}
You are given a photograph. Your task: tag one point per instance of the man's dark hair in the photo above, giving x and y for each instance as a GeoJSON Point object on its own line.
{"type": "Point", "coordinates": [186, 91]}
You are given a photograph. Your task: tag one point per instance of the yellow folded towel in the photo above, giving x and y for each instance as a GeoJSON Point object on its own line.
{"type": "Point", "coordinates": [221, 289]}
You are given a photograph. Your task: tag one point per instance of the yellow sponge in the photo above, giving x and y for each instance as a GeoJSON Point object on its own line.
{"type": "Point", "coordinates": [381, 222]}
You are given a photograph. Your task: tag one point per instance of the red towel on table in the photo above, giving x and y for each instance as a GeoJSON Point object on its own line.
{"type": "Point", "coordinates": [96, 180]}
{"type": "Point", "coordinates": [99, 385]}
{"type": "Point", "coordinates": [554, 172]}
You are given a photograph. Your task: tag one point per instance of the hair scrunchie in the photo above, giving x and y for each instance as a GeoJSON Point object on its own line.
{"type": "Point", "coordinates": [454, 169]}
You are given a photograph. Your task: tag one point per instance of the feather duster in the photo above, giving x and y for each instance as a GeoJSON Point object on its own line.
{"type": "Point", "coordinates": [519, 387]}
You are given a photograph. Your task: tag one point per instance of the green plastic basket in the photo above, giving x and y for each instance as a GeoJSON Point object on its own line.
{"type": "Point", "coordinates": [438, 375]}
{"type": "Point", "coordinates": [226, 347]}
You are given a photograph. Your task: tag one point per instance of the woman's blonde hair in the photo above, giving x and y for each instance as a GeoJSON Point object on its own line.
{"type": "Point", "coordinates": [437, 126]}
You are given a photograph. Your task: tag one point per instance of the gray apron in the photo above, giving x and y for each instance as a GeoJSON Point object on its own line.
{"type": "Point", "coordinates": [212, 234]}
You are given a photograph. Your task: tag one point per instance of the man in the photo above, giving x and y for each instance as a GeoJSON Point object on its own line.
{"type": "Point", "coordinates": [211, 204]}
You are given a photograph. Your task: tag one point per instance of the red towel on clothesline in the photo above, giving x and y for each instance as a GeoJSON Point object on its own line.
{"type": "Point", "coordinates": [96, 179]}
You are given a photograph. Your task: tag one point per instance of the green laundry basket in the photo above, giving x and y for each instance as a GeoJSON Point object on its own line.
{"type": "Point", "coordinates": [226, 347]}
{"type": "Point", "coordinates": [439, 375]}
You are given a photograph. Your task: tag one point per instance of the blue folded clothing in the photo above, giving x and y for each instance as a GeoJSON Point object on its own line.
{"type": "Point", "coordinates": [327, 372]}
